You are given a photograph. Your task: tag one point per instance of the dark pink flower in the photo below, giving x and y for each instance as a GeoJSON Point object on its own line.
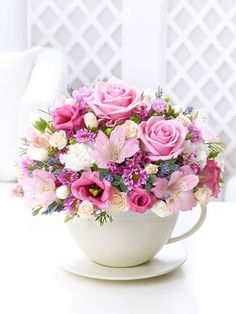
{"type": "Point", "coordinates": [210, 176]}
{"type": "Point", "coordinates": [140, 201]}
{"type": "Point", "coordinates": [90, 187]}
{"type": "Point", "coordinates": [67, 118]}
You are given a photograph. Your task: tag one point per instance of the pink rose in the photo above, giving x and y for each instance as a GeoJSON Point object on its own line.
{"type": "Point", "coordinates": [162, 139]}
{"type": "Point", "coordinates": [210, 176]}
{"type": "Point", "coordinates": [140, 201]}
{"type": "Point", "coordinates": [113, 100]}
{"type": "Point", "coordinates": [67, 118]}
{"type": "Point", "coordinates": [90, 187]}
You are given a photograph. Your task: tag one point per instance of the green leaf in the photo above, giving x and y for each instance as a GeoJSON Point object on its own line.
{"type": "Point", "coordinates": [36, 210]}
{"type": "Point", "coordinates": [40, 125]}
{"type": "Point", "coordinates": [103, 217]}
{"type": "Point", "coordinates": [103, 173]}
{"type": "Point", "coordinates": [148, 187]}
{"type": "Point", "coordinates": [136, 119]}
{"type": "Point", "coordinates": [68, 218]}
{"type": "Point", "coordinates": [108, 131]}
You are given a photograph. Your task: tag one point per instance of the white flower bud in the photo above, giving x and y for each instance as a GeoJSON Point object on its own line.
{"type": "Point", "coordinates": [86, 210]}
{"type": "Point", "coordinates": [148, 96]}
{"type": "Point", "coordinates": [161, 209]}
{"type": "Point", "coordinates": [151, 168]}
{"type": "Point", "coordinates": [131, 129]}
{"type": "Point", "coordinates": [62, 192]}
{"type": "Point", "coordinates": [90, 120]}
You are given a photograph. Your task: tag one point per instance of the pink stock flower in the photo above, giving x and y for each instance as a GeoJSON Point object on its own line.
{"type": "Point", "coordinates": [140, 201]}
{"type": "Point", "coordinates": [39, 190]}
{"type": "Point", "coordinates": [210, 176]}
{"type": "Point", "coordinates": [162, 139]}
{"type": "Point", "coordinates": [90, 187]}
{"type": "Point", "coordinates": [116, 148]}
{"type": "Point", "coordinates": [67, 118]}
{"type": "Point", "coordinates": [113, 100]}
{"type": "Point", "coordinates": [177, 192]}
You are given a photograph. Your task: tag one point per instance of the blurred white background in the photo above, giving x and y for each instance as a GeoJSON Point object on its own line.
{"type": "Point", "coordinates": [186, 46]}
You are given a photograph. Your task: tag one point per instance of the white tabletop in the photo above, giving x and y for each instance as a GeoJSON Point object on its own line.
{"type": "Point", "coordinates": [31, 281]}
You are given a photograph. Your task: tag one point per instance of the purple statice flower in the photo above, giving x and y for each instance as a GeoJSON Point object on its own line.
{"type": "Point", "coordinates": [141, 111]}
{"type": "Point", "coordinates": [25, 163]}
{"type": "Point", "coordinates": [67, 176]}
{"type": "Point", "coordinates": [115, 168]}
{"type": "Point", "coordinates": [134, 177]}
{"type": "Point", "coordinates": [85, 136]}
{"type": "Point", "coordinates": [137, 159]}
{"type": "Point", "coordinates": [159, 105]}
{"type": "Point", "coordinates": [196, 168]}
{"type": "Point", "coordinates": [196, 135]}
{"type": "Point", "coordinates": [71, 204]}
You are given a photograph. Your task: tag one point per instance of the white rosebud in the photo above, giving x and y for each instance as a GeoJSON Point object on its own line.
{"type": "Point", "coordinates": [161, 209]}
{"type": "Point", "coordinates": [151, 168]}
{"type": "Point", "coordinates": [148, 96]}
{"type": "Point", "coordinates": [90, 120]}
{"type": "Point", "coordinates": [86, 210]}
{"type": "Point", "coordinates": [118, 203]}
{"type": "Point", "coordinates": [202, 195]}
{"type": "Point", "coordinates": [131, 129]}
{"type": "Point", "coordinates": [62, 192]}
{"type": "Point", "coordinates": [35, 153]}
{"type": "Point", "coordinates": [58, 139]}
{"type": "Point", "coordinates": [177, 109]}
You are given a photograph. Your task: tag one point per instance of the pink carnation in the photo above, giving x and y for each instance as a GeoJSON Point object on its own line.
{"type": "Point", "coordinates": [210, 176]}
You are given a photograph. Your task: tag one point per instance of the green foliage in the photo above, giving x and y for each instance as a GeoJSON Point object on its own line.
{"type": "Point", "coordinates": [108, 131]}
{"type": "Point", "coordinates": [215, 149]}
{"type": "Point", "coordinates": [103, 217]}
{"type": "Point", "coordinates": [136, 119]}
{"type": "Point", "coordinates": [41, 125]}
{"type": "Point", "coordinates": [36, 210]}
{"type": "Point", "coordinates": [68, 218]}
{"type": "Point", "coordinates": [103, 173]}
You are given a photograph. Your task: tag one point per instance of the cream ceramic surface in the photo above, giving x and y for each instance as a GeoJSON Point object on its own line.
{"type": "Point", "coordinates": [169, 258]}
{"type": "Point", "coordinates": [32, 282]}
{"type": "Point", "coordinates": [131, 239]}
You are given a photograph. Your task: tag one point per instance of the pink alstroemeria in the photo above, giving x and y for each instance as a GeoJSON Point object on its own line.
{"type": "Point", "coordinates": [116, 148]}
{"type": "Point", "coordinates": [177, 192]}
{"type": "Point", "coordinates": [39, 190]}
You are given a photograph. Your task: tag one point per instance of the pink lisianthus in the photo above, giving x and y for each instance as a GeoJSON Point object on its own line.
{"type": "Point", "coordinates": [210, 176]}
{"type": "Point", "coordinates": [90, 187]}
{"type": "Point", "coordinates": [67, 118]}
{"type": "Point", "coordinates": [39, 190]}
{"type": "Point", "coordinates": [140, 201]}
{"type": "Point", "coordinates": [178, 191]}
{"type": "Point", "coordinates": [116, 148]}
{"type": "Point", "coordinates": [162, 139]}
{"type": "Point", "coordinates": [113, 100]}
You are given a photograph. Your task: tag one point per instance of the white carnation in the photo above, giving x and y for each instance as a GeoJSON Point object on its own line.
{"type": "Point", "coordinates": [198, 152]}
{"type": "Point", "coordinates": [79, 157]}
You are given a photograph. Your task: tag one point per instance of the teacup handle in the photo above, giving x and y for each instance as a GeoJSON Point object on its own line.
{"type": "Point", "coordinates": [197, 225]}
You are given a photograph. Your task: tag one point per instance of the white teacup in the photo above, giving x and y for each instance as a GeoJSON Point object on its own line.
{"type": "Point", "coordinates": [131, 239]}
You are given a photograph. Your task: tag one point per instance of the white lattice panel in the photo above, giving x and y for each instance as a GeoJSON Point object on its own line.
{"type": "Point", "coordinates": [201, 63]}
{"type": "Point", "coordinates": [87, 31]}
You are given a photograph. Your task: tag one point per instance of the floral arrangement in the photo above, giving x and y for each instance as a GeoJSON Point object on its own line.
{"type": "Point", "coordinates": [109, 149]}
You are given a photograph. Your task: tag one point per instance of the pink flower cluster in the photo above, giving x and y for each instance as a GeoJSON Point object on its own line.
{"type": "Point", "coordinates": [115, 148]}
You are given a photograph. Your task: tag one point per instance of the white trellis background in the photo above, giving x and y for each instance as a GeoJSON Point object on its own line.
{"type": "Point", "coordinates": [199, 54]}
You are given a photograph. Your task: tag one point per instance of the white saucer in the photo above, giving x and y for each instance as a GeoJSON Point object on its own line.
{"type": "Point", "coordinates": [167, 260]}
